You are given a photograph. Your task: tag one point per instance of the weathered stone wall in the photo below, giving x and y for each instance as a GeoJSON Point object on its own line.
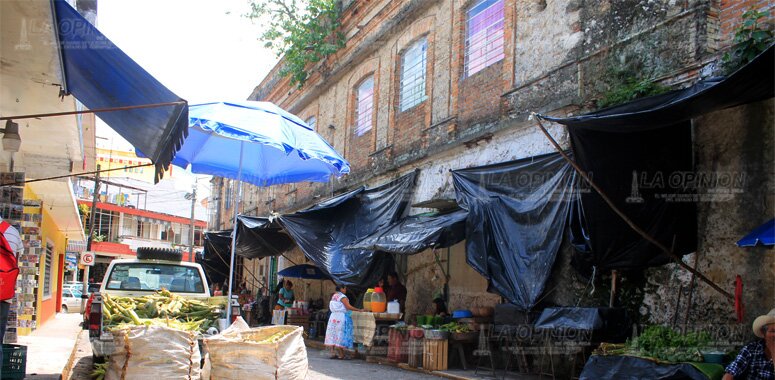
{"type": "Point", "coordinates": [560, 57]}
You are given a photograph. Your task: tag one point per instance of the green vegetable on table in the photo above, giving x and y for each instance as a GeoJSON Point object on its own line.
{"type": "Point", "coordinates": [663, 343]}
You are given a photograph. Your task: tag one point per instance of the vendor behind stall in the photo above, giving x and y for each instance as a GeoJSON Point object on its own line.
{"type": "Point", "coordinates": [396, 291]}
{"type": "Point", "coordinates": [440, 308]}
{"type": "Point", "coordinates": [755, 360]}
{"type": "Point", "coordinates": [285, 296]}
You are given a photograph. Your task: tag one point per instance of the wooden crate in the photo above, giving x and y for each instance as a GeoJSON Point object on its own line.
{"type": "Point", "coordinates": [415, 356]}
{"type": "Point", "coordinates": [435, 354]}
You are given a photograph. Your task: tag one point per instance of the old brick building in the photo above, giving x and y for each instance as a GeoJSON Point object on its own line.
{"type": "Point", "coordinates": [437, 85]}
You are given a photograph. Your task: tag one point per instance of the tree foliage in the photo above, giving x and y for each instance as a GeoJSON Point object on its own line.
{"type": "Point", "coordinates": [302, 31]}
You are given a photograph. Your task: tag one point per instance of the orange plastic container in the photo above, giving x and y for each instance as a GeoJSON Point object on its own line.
{"type": "Point", "coordinates": [367, 300]}
{"type": "Point", "coordinates": [378, 301]}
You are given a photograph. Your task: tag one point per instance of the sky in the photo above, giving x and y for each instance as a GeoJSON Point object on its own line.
{"type": "Point", "coordinates": [202, 50]}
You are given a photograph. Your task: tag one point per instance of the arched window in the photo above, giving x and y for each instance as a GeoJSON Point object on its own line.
{"type": "Point", "coordinates": [413, 69]}
{"type": "Point", "coordinates": [484, 35]}
{"type": "Point", "coordinates": [364, 106]}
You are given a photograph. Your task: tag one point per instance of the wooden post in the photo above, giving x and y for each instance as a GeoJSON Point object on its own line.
{"type": "Point", "coordinates": [614, 274]}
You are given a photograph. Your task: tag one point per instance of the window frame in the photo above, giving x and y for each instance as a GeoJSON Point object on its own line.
{"type": "Point", "coordinates": [487, 55]}
{"type": "Point", "coordinates": [404, 85]}
{"type": "Point", "coordinates": [48, 262]}
{"type": "Point", "coordinates": [358, 129]}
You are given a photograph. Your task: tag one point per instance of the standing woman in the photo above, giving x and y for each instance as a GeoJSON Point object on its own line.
{"type": "Point", "coordinates": [339, 333]}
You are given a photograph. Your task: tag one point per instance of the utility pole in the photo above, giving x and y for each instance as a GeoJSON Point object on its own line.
{"type": "Point", "coordinates": [193, 207]}
{"type": "Point", "coordinates": [92, 214]}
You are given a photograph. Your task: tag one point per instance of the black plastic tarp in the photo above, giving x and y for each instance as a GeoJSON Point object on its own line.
{"type": "Point", "coordinates": [215, 256]}
{"type": "Point", "coordinates": [259, 237]}
{"type": "Point", "coordinates": [517, 213]}
{"type": "Point", "coordinates": [640, 154]}
{"type": "Point", "coordinates": [628, 367]}
{"type": "Point", "coordinates": [647, 175]}
{"type": "Point", "coordinates": [580, 318]}
{"type": "Point", "coordinates": [323, 230]}
{"type": "Point", "coordinates": [417, 233]}
{"type": "Point", "coordinates": [752, 82]}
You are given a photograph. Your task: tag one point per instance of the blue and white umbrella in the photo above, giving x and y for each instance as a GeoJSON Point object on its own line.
{"type": "Point", "coordinates": [255, 142]}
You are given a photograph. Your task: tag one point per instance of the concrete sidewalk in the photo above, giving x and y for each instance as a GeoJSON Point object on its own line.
{"type": "Point", "coordinates": [50, 348]}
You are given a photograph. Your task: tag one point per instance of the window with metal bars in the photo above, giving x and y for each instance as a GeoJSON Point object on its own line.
{"type": "Point", "coordinates": [47, 270]}
{"type": "Point", "coordinates": [413, 67]}
{"type": "Point", "coordinates": [312, 123]}
{"type": "Point", "coordinates": [364, 106]}
{"type": "Point", "coordinates": [484, 35]}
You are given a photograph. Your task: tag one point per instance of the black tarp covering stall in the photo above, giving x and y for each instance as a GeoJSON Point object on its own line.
{"type": "Point", "coordinates": [215, 256]}
{"type": "Point", "coordinates": [517, 213]}
{"type": "Point", "coordinates": [637, 170]}
{"type": "Point", "coordinates": [259, 237]}
{"type": "Point", "coordinates": [323, 230]}
{"type": "Point", "coordinates": [628, 367]}
{"type": "Point", "coordinates": [640, 154]}
{"type": "Point", "coordinates": [417, 233]}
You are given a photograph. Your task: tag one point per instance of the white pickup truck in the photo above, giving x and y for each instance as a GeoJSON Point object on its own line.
{"type": "Point", "coordinates": [153, 270]}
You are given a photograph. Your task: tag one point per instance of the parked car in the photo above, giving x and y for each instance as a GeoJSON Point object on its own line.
{"type": "Point", "coordinates": [71, 300]}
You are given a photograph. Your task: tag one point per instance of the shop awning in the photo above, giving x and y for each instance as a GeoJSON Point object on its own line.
{"type": "Point", "coordinates": [100, 76]}
{"type": "Point", "coordinates": [415, 234]}
{"type": "Point", "coordinates": [764, 235]}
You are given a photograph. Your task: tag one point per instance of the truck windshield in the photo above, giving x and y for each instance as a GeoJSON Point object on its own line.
{"type": "Point", "coordinates": [153, 276]}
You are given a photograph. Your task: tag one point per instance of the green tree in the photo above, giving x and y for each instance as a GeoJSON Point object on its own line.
{"type": "Point", "coordinates": [302, 31]}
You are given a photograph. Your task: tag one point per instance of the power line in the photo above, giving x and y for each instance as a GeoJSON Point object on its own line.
{"type": "Point", "coordinates": [75, 175]}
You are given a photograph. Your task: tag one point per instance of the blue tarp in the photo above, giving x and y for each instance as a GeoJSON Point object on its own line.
{"type": "Point", "coordinates": [100, 75]}
{"type": "Point", "coordinates": [764, 235]}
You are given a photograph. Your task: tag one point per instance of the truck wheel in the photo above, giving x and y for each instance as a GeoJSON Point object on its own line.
{"type": "Point", "coordinates": [151, 253]}
{"type": "Point", "coordinates": [64, 308]}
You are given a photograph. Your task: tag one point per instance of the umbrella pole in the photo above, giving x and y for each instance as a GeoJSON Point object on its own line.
{"type": "Point", "coordinates": [234, 233]}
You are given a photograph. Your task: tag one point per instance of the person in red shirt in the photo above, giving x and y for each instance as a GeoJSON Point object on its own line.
{"type": "Point", "coordinates": [396, 291]}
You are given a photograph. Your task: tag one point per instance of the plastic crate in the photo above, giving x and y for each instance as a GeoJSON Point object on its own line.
{"type": "Point", "coordinates": [14, 361]}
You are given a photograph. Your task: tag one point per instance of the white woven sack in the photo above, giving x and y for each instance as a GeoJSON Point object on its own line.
{"type": "Point", "coordinates": [154, 352]}
{"type": "Point", "coordinates": [237, 355]}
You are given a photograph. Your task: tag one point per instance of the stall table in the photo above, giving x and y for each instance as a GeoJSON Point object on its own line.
{"type": "Point", "coordinates": [301, 320]}
{"type": "Point", "coordinates": [371, 329]}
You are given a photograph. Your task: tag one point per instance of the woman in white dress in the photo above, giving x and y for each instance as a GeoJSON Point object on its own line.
{"type": "Point", "coordinates": [339, 332]}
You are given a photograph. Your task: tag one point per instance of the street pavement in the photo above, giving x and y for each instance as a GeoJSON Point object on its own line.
{"type": "Point", "coordinates": [323, 368]}
{"type": "Point", "coordinates": [49, 347]}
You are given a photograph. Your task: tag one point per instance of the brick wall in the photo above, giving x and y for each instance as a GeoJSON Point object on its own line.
{"type": "Point", "coordinates": [558, 56]}
{"type": "Point", "coordinates": [731, 12]}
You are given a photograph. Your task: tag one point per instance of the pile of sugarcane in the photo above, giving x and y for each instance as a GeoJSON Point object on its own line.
{"type": "Point", "coordinates": [162, 308]}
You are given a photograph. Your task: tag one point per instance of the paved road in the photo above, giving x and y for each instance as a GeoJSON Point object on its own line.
{"type": "Point", "coordinates": [323, 368]}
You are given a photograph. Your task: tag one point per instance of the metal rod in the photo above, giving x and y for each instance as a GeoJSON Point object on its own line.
{"type": "Point", "coordinates": [109, 109]}
{"type": "Point", "coordinates": [193, 207]}
{"type": "Point", "coordinates": [624, 217]}
{"type": "Point", "coordinates": [92, 213]}
{"type": "Point", "coordinates": [234, 233]}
